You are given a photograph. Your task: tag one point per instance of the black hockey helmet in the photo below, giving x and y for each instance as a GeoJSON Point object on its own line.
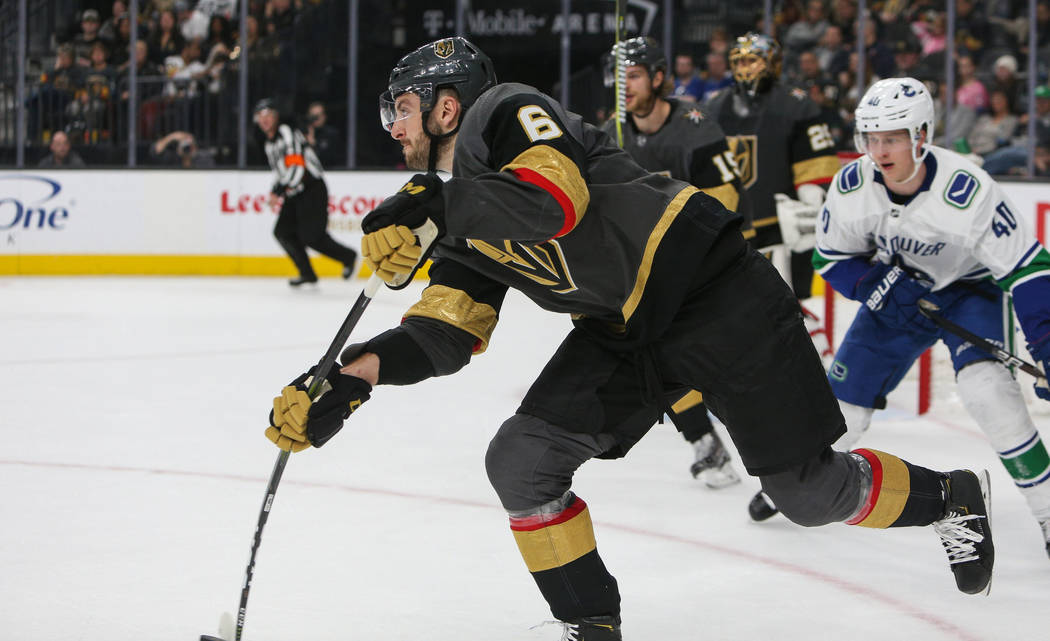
{"type": "Point", "coordinates": [642, 50]}
{"type": "Point", "coordinates": [755, 61]}
{"type": "Point", "coordinates": [450, 62]}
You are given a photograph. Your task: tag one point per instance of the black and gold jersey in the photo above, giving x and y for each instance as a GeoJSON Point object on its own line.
{"type": "Point", "coordinates": [690, 147]}
{"type": "Point", "coordinates": [779, 142]}
{"type": "Point", "coordinates": [542, 202]}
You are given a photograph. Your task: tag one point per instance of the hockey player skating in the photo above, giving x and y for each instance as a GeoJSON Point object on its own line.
{"type": "Point", "coordinates": [665, 294]}
{"type": "Point", "coordinates": [299, 187]}
{"type": "Point", "coordinates": [913, 221]}
{"type": "Point", "coordinates": [666, 136]}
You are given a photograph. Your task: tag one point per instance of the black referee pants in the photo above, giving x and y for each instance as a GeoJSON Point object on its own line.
{"type": "Point", "coordinates": [302, 223]}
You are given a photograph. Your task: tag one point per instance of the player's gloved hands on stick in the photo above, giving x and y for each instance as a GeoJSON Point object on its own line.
{"type": "Point", "coordinates": [895, 296]}
{"type": "Point", "coordinates": [297, 422]}
{"type": "Point", "coordinates": [400, 232]}
{"type": "Point", "coordinates": [1040, 351]}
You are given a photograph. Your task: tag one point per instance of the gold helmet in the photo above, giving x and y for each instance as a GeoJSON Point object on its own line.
{"type": "Point", "coordinates": [755, 60]}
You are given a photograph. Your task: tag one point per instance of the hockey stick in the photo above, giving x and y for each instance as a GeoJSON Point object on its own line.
{"type": "Point", "coordinates": [320, 373]}
{"type": "Point", "coordinates": [931, 310]}
{"type": "Point", "coordinates": [620, 69]}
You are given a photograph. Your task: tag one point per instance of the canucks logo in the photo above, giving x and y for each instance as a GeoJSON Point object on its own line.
{"type": "Point", "coordinates": [850, 178]}
{"type": "Point", "coordinates": [961, 189]}
{"type": "Point", "coordinates": [444, 48]}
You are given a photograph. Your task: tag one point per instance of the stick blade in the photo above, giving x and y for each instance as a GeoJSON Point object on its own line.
{"type": "Point", "coordinates": [226, 629]}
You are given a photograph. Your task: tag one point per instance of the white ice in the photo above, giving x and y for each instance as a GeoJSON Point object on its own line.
{"type": "Point", "coordinates": [133, 467]}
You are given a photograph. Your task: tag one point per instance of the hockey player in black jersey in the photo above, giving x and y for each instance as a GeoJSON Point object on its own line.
{"type": "Point", "coordinates": [665, 295]}
{"type": "Point", "coordinates": [676, 139]}
{"type": "Point", "coordinates": [299, 188]}
{"type": "Point", "coordinates": [784, 151]}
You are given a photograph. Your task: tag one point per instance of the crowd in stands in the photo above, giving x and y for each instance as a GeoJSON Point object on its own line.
{"type": "Point", "coordinates": [989, 117]}
{"type": "Point", "coordinates": [188, 50]}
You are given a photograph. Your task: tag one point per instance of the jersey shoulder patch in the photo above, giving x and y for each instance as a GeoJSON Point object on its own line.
{"type": "Point", "coordinates": [961, 188]}
{"type": "Point", "coordinates": [693, 115]}
{"type": "Point", "coordinates": [850, 178]}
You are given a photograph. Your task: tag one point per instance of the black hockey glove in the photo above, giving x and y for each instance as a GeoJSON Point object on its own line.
{"type": "Point", "coordinates": [297, 422]}
{"type": "Point", "coordinates": [400, 232]}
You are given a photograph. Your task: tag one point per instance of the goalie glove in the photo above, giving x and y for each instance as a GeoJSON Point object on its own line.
{"type": "Point", "coordinates": [798, 223]}
{"type": "Point", "coordinates": [297, 421]}
{"type": "Point", "coordinates": [400, 233]}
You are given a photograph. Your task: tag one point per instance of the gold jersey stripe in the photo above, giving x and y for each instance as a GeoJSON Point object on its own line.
{"type": "Point", "coordinates": [657, 235]}
{"type": "Point", "coordinates": [691, 399]}
{"type": "Point", "coordinates": [816, 170]}
{"type": "Point", "coordinates": [892, 481]}
{"type": "Point", "coordinates": [764, 222]}
{"type": "Point", "coordinates": [556, 545]}
{"type": "Point", "coordinates": [455, 307]}
{"type": "Point", "coordinates": [560, 170]}
{"type": "Point", "coordinates": [726, 194]}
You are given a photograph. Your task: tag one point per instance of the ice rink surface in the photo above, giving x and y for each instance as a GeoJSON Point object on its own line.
{"type": "Point", "coordinates": [134, 464]}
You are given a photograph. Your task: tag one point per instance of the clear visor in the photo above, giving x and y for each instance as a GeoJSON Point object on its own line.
{"type": "Point", "coordinates": [394, 109]}
{"type": "Point", "coordinates": [875, 141]}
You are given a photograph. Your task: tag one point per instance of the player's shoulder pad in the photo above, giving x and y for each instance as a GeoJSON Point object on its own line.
{"type": "Point", "coordinates": [850, 178]}
{"type": "Point", "coordinates": [963, 178]}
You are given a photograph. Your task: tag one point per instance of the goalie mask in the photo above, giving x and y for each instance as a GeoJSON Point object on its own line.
{"type": "Point", "coordinates": [642, 51]}
{"type": "Point", "coordinates": [893, 104]}
{"type": "Point", "coordinates": [755, 61]}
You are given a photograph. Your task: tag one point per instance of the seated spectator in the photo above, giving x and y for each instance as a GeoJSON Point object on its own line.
{"type": "Point", "coordinates": [1014, 159]}
{"type": "Point", "coordinates": [219, 33]}
{"type": "Point", "coordinates": [179, 148]}
{"type": "Point", "coordinates": [323, 137]}
{"type": "Point", "coordinates": [719, 42]}
{"type": "Point", "coordinates": [844, 16]}
{"type": "Point", "coordinates": [62, 155]}
{"type": "Point", "coordinates": [108, 31]}
{"type": "Point", "coordinates": [932, 32]}
{"type": "Point", "coordinates": [995, 128]}
{"type": "Point", "coordinates": [971, 27]}
{"type": "Point", "coordinates": [1004, 79]}
{"type": "Point", "coordinates": [879, 56]}
{"type": "Point", "coordinates": [906, 58]}
{"type": "Point", "coordinates": [969, 90]}
{"type": "Point", "coordinates": [90, 110]}
{"type": "Point", "coordinates": [184, 70]}
{"type": "Point", "coordinates": [808, 71]}
{"type": "Point", "coordinates": [716, 76]}
{"type": "Point", "coordinates": [88, 36]}
{"type": "Point", "coordinates": [806, 33]}
{"type": "Point", "coordinates": [687, 85]}
{"type": "Point", "coordinates": [46, 106]}
{"type": "Point", "coordinates": [832, 55]}
{"type": "Point", "coordinates": [166, 40]}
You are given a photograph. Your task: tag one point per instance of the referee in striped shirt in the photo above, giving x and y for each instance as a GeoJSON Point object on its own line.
{"type": "Point", "coordinates": [299, 181]}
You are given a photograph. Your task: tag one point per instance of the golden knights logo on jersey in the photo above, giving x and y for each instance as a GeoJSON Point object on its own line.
{"type": "Point", "coordinates": [543, 263]}
{"type": "Point", "coordinates": [444, 48]}
{"type": "Point", "coordinates": [745, 152]}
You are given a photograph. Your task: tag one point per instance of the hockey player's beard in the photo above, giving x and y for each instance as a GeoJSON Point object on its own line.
{"type": "Point", "coordinates": [417, 151]}
{"type": "Point", "coordinates": [643, 109]}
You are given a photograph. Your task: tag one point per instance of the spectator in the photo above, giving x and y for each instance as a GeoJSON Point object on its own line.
{"type": "Point", "coordinates": [184, 70]}
{"type": "Point", "coordinates": [809, 71]}
{"type": "Point", "coordinates": [907, 60]}
{"type": "Point", "coordinates": [717, 75]}
{"type": "Point", "coordinates": [1004, 79]}
{"type": "Point", "coordinates": [219, 33]}
{"type": "Point", "coordinates": [687, 84]}
{"type": "Point", "coordinates": [719, 42]}
{"type": "Point", "coordinates": [1014, 159]}
{"type": "Point", "coordinates": [957, 124]}
{"type": "Point", "coordinates": [120, 45]}
{"type": "Point", "coordinates": [193, 24]}
{"type": "Point", "coordinates": [324, 138]}
{"type": "Point", "coordinates": [879, 56]}
{"type": "Point", "coordinates": [1042, 161]}
{"type": "Point", "coordinates": [166, 41]}
{"type": "Point", "coordinates": [970, 91]}
{"type": "Point", "coordinates": [806, 33]}
{"type": "Point", "coordinates": [62, 155]}
{"type": "Point", "coordinates": [109, 30]}
{"type": "Point", "coordinates": [48, 103]}
{"type": "Point", "coordinates": [831, 53]}
{"type": "Point", "coordinates": [179, 148]}
{"type": "Point", "coordinates": [844, 16]}
{"type": "Point", "coordinates": [82, 43]}
{"type": "Point", "coordinates": [971, 27]}
{"type": "Point", "coordinates": [993, 129]}
{"type": "Point", "coordinates": [932, 32]}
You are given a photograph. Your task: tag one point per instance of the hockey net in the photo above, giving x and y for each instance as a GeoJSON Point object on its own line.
{"type": "Point", "coordinates": [930, 383]}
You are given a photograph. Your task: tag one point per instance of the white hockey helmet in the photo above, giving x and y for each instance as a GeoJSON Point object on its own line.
{"type": "Point", "coordinates": [892, 104]}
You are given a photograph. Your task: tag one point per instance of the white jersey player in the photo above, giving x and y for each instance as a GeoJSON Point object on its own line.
{"type": "Point", "coordinates": [910, 221]}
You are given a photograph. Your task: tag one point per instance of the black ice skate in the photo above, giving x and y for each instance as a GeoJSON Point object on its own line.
{"type": "Point", "coordinates": [761, 507]}
{"type": "Point", "coordinates": [1046, 534]}
{"type": "Point", "coordinates": [966, 529]}
{"type": "Point", "coordinates": [605, 628]}
{"type": "Point", "coordinates": [712, 462]}
{"type": "Point", "coordinates": [302, 280]}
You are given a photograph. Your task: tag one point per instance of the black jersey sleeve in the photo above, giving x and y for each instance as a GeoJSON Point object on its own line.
{"type": "Point", "coordinates": [813, 156]}
{"type": "Point", "coordinates": [534, 187]}
{"type": "Point", "coordinates": [712, 169]}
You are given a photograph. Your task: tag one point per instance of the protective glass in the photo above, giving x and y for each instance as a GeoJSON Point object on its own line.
{"type": "Point", "coordinates": [391, 111]}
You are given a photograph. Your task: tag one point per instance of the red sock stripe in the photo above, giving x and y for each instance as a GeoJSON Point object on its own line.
{"type": "Point", "coordinates": [876, 485]}
{"type": "Point", "coordinates": [536, 178]}
{"type": "Point", "coordinates": [540, 521]}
